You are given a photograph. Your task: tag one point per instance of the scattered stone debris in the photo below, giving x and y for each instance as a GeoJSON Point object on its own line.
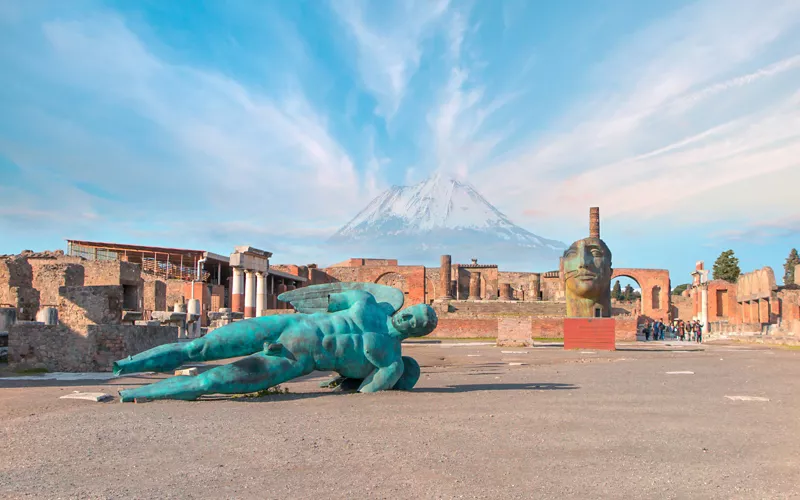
{"type": "Point", "coordinates": [97, 397]}
{"type": "Point", "coordinates": [747, 398]}
{"type": "Point", "coordinates": [188, 372]}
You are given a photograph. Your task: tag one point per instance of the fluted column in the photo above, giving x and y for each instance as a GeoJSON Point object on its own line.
{"type": "Point", "coordinates": [237, 292]}
{"type": "Point", "coordinates": [261, 293]}
{"type": "Point", "coordinates": [445, 276]}
{"type": "Point", "coordinates": [475, 286]}
{"type": "Point", "coordinates": [249, 294]}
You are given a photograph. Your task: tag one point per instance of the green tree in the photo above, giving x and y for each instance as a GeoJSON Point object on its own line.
{"type": "Point", "coordinates": [679, 289]}
{"type": "Point", "coordinates": [628, 293]}
{"type": "Point", "coordinates": [791, 261]}
{"type": "Point", "coordinates": [616, 292]}
{"type": "Point", "coordinates": [726, 267]}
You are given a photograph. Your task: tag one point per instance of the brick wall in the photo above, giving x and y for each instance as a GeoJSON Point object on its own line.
{"type": "Point", "coordinates": [514, 332]}
{"type": "Point", "coordinates": [682, 307]}
{"type": "Point", "coordinates": [505, 307]}
{"type": "Point", "coordinates": [59, 348]}
{"type": "Point", "coordinates": [551, 328]}
{"type": "Point", "coordinates": [552, 289]}
{"type": "Point", "coordinates": [409, 279]}
{"type": "Point", "coordinates": [465, 328]}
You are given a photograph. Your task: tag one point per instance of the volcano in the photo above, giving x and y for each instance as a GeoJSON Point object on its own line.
{"type": "Point", "coordinates": [442, 215]}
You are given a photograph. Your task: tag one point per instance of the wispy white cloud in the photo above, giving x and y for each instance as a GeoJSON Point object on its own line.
{"type": "Point", "coordinates": [457, 118]}
{"type": "Point", "coordinates": [389, 49]}
{"type": "Point", "coordinates": [676, 111]}
{"type": "Point", "coordinates": [228, 143]}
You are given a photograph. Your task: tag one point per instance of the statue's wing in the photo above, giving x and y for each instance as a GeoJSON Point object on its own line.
{"type": "Point", "coordinates": [314, 298]}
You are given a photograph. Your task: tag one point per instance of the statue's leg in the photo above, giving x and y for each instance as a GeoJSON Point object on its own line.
{"type": "Point", "coordinates": [250, 374]}
{"type": "Point", "coordinates": [236, 339]}
{"type": "Point", "coordinates": [411, 373]}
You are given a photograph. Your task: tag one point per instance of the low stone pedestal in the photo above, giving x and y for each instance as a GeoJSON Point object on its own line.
{"type": "Point", "coordinates": [514, 332]}
{"type": "Point", "coordinates": [590, 333]}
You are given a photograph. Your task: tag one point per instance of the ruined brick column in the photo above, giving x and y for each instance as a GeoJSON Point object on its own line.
{"type": "Point", "coordinates": [445, 276]}
{"type": "Point", "coordinates": [594, 222]}
{"type": "Point", "coordinates": [237, 290]}
{"type": "Point", "coordinates": [261, 293]}
{"type": "Point", "coordinates": [536, 285]}
{"type": "Point", "coordinates": [474, 286]}
{"type": "Point", "coordinates": [249, 294]}
{"type": "Point", "coordinates": [505, 292]}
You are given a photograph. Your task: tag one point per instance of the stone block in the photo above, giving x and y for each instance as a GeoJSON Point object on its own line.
{"type": "Point", "coordinates": [97, 397]}
{"type": "Point", "coordinates": [187, 372]}
{"type": "Point", "coordinates": [514, 332]}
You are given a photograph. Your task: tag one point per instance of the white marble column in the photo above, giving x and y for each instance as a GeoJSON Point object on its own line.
{"type": "Point", "coordinates": [261, 293]}
{"type": "Point", "coordinates": [237, 292]}
{"type": "Point", "coordinates": [704, 308]}
{"type": "Point", "coordinates": [249, 294]}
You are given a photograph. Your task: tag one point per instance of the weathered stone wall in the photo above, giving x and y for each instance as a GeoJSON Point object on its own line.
{"type": "Point", "coordinates": [553, 289]}
{"type": "Point", "coordinates": [81, 306]}
{"type": "Point", "coordinates": [722, 304]}
{"type": "Point", "coordinates": [109, 343]}
{"type": "Point", "coordinates": [682, 307]}
{"type": "Point", "coordinates": [455, 328]}
{"type": "Point", "coordinates": [49, 276]}
{"type": "Point", "coordinates": [155, 296]}
{"type": "Point", "coordinates": [174, 292]}
{"type": "Point", "coordinates": [409, 279]}
{"type": "Point", "coordinates": [547, 328]}
{"type": "Point", "coordinates": [655, 285]}
{"type": "Point", "coordinates": [536, 309]}
{"type": "Point", "coordinates": [16, 290]}
{"type": "Point", "coordinates": [489, 286]}
{"type": "Point", "coordinates": [111, 272]}
{"type": "Point", "coordinates": [625, 308]}
{"type": "Point", "coordinates": [59, 348]}
{"type": "Point", "coordinates": [514, 332]}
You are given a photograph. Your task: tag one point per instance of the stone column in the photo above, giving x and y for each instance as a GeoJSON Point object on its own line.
{"type": "Point", "coordinates": [474, 286]}
{"type": "Point", "coordinates": [261, 294]}
{"type": "Point", "coordinates": [704, 308]}
{"type": "Point", "coordinates": [237, 293]}
{"type": "Point", "coordinates": [249, 294]}
{"type": "Point", "coordinates": [445, 276]}
{"type": "Point", "coordinates": [536, 285]}
{"type": "Point", "coordinates": [594, 222]}
{"type": "Point", "coordinates": [505, 291]}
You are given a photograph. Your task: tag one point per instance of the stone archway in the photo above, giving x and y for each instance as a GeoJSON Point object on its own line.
{"type": "Point", "coordinates": [655, 285]}
{"type": "Point", "coordinates": [393, 279]}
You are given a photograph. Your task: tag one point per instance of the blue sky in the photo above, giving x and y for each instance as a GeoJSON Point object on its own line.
{"type": "Point", "coordinates": [272, 123]}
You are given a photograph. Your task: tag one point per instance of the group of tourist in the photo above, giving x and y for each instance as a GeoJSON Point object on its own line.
{"type": "Point", "coordinates": [683, 330]}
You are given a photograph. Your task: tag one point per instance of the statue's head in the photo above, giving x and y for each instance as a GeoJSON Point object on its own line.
{"type": "Point", "coordinates": [587, 268]}
{"type": "Point", "coordinates": [415, 321]}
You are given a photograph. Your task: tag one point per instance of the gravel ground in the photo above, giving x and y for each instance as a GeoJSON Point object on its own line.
{"type": "Point", "coordinates": [561, 425]}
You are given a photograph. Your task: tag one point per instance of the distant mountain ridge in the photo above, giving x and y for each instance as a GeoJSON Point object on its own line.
{"type": "Point", "coordinates": [443, 215]}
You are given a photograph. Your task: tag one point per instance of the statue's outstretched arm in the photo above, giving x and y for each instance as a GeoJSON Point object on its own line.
{"type": "Point", "coordinates": [345, 300]}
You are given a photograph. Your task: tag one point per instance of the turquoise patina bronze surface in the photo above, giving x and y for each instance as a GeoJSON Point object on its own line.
{"type": "Point", "coordinates": [353, 329]}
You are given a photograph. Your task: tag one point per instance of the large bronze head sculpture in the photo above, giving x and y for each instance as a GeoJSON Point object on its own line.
{"type": "Point", "coordinates": [587, 278]}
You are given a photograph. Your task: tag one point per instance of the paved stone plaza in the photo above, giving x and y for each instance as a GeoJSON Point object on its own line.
{"type": "Point", "coordinates": [651, 420]}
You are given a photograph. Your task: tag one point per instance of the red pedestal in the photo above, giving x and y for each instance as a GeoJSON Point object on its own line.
{"type": "Point", "coordinates": [589, 333]}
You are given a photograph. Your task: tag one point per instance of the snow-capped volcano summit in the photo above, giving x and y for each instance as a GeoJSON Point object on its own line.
{"type": "Point", "coordinates": [443, 215]}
